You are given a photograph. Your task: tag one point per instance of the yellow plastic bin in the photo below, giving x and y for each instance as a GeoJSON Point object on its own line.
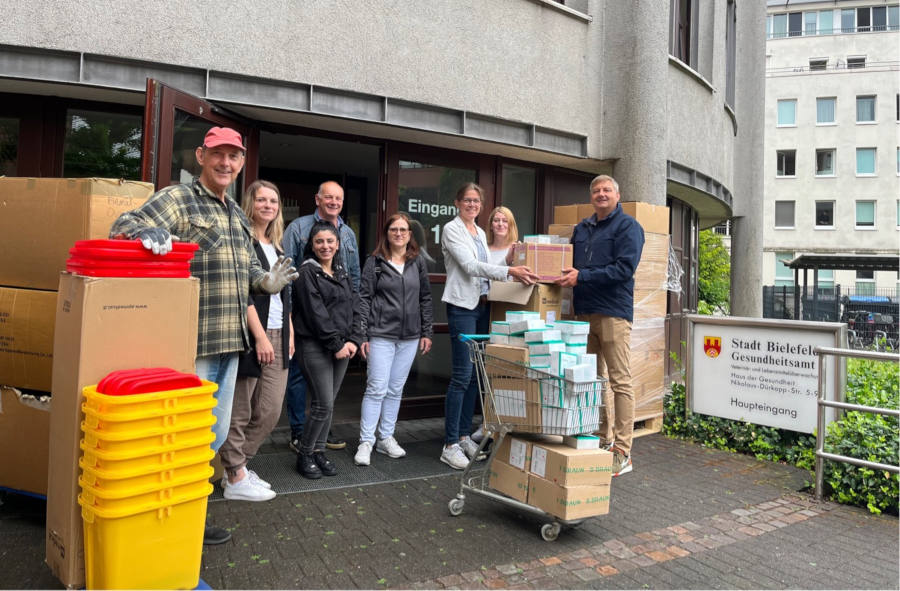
{"type": "Point", "coordinates": [139, 496]}
{"type": "Point", "coordinates": [117, 480]}
{"type": "Point", "coordinates": [138, 420]}
{"type": "Point", "coordinates": [153, 546]}
{"type": "Point", "coordinates": [165, 402]}
{"type": "Point", "coordinates": [194, 432]}
{"type": "Point", "coordinates": [149, 458]}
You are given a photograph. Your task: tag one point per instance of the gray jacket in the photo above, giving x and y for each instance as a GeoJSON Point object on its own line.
{"type": "Point", "coordinates": [297, 233]}
{"type": "Point", "coordinates": [392, 306]}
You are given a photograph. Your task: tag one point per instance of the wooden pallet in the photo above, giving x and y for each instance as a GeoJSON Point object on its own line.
{"type": "Point", "coordinates": [648, 425]}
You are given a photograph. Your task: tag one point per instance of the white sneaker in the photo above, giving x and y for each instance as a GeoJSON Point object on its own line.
{"type": "Point", "coordinates": [470, 448]}
{"type": "Point", "coordinates": [254, 478]}
{"type": "Point", "coordinates": [454, 457]}
{"type": "Point", "coordinates": [363, 455]}
{"type": "Point", "coordinates": [478, 435]}
{"type": "Point", "coordinates": [245, 490]}
{"type": "Point", "coordinates": [390, 447]}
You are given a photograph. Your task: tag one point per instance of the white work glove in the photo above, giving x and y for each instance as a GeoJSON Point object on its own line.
{"type": "Point", "coordinates": [157, 240]}
{"type": "Point", "coordinates": [281, 274]}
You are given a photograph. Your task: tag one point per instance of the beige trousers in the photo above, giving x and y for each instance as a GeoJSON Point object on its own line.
{"type": "Point", "coordinates": [610, 340]}
{"type": "Point", "coordinates": [255, 411]}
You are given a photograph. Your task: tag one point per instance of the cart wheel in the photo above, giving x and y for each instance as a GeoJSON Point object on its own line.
{"type": "Point", "coordinates": [550, 531]}
{"type": "Point", "coordinates": [455, 506]}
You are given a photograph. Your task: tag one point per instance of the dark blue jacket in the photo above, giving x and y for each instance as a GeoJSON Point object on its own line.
{"type": "Point", "coordinates": [606, 254]}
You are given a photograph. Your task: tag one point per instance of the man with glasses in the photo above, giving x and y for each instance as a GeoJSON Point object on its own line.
{"type": "Point", "coordinates": [203, 212]}
{"type": "Point", "coordinates": [329, 203]}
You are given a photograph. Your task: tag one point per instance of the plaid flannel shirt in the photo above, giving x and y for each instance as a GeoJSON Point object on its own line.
{"type": "Point", "coordinates": [225, 263]}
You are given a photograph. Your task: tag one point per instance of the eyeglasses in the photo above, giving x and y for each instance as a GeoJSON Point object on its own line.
{"type": "Point", "coordinates": [399, 230]}
{"type": "Point", "coordinates": [471, 201]}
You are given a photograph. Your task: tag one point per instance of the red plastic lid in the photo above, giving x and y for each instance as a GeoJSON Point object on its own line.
{"type": "Point", "coordinates": [133, 246]}
{"type": "Point", "coordinates": [141, 381]}
{"type": "Point", "coordinates": [128, 258]}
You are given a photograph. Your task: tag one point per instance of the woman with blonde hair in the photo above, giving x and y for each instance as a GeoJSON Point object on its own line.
{"type": "Point", "coordinates": [501, 235]}
{"type": "Point", "coordinates": [262, 372]}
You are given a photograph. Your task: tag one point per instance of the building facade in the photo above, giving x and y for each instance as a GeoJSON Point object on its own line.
{"type": "Point", "coordinates": [402, 103]}
{"type": "Point", "coordinates": [832, 161]}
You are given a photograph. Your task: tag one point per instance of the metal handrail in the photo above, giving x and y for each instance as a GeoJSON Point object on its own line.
{"type": "Point", "coordinates": [822, 404]}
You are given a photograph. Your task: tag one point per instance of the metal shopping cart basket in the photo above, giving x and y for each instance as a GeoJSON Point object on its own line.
{"type": "Point", "coordinates": [521, 399]}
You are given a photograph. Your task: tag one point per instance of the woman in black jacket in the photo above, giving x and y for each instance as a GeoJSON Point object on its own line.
{"type": "Point", "coordinates": [325, 315]}
{"type": "Point", "coordinates": [262, 372]}
{"type": "Point", "coordinates": [395, 311]}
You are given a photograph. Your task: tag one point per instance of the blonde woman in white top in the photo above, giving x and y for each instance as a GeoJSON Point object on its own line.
{"type": "Point", "coordinates": [465, 250]}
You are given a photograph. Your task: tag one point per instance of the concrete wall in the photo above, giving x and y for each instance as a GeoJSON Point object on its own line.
{"type": "Point", "coordinates": [539, 67]}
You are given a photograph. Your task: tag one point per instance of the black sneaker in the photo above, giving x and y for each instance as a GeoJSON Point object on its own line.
{"type": "Point", "coordinates": [295, 442]}
{"type": "Point", "coordinates": [213, 536]}
{"type": "Point", "coordinates": [325, 465]}
{"type": "Point", "coordinates": [307, 467]}
{"type": "Point", "coordinates": [334, 443]}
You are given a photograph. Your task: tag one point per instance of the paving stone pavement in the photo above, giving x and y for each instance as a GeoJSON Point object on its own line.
{"type": "Point", "coordinates": [686, 518]}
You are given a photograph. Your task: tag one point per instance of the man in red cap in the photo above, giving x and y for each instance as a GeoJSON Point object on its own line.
{"type": "Point", "coordinates": [226, 264]}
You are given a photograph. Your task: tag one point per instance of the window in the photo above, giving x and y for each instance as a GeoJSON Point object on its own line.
{"type": "Point", "coordinates": [865, 215]}
{"type": "Point", "coordinates": [863, 20]}
{"type": "Point", "coordinates": [787, 113]}
{"type": "Point", "coordinates": [783, 274]}
{"type": "Point", "coordinates": [825, 110]}
{"type": "Point", "coordinates": [779, 26]}
{"type": "Point", "coordinates": [824, 214]}
{"type": "Point", "coordinates": [809, 23]}
{"type": "Point", "coordinates": [865, 109]}
{"type": "Point", "coordinates": [682, 34]}
{"type": "Point", "coordinates": [825, 162]}
{"type": "Point", "coordinates": [786, 165]}
{"type": "Point", "coordinates": [826, 277]}
{"type": "Point", "coordinates": [865, 161]}
{"type": "Point", "coordinates": [518, 191]}
{"type": "Point", "coordinates": [795, 24]}
{"type": "Point", "coordinates": [856, 62]}
{"type": "Point", "coordinates": [784, 214]}
{"type": "Point", "coordinates": [848, 20]}
{"type": "Point", "coordinates": [865, 283]}
{"type": "Point", "coordinates": [826, 22]}
{"type": "Point", "coordinates": [818, 64]}
{"type": "Point", "coordinates": [893, 17]}
{"type": "Point", "coordinates": [102, 144]}
{"type": "Point", "coordinates": [879, 18]}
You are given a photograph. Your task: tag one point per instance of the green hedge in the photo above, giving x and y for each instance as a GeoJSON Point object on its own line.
{"type": "Point", "coordinates": [855, 434]}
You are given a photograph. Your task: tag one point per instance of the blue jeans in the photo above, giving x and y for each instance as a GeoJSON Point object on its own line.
{"type": "Point", "coordinates": [296, 396]}
{"type": "Point", "coordinates": [459, 405]}
{"type": "Point", "coordinates": [389, 364]}
{"type": "Point", "coordinates": [221, 369]}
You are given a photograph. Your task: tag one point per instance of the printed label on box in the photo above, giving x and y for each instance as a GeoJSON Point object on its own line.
{"type": "Point", "coordinates": [539, 461]}
{"type": "Point", "coordinates": [517, 452]}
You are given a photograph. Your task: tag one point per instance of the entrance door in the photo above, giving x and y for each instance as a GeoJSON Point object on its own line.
{"type": "Point", "coordinates": [175, 123]}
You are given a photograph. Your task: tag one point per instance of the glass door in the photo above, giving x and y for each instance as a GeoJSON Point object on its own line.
{"type": "Point", "coordinates": [175, 123]}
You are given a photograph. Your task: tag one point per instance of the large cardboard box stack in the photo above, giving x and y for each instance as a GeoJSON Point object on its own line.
{"type": "Point", "coordinates": [103, 325]}
{"type": "Point", "coordinates": [40, 220]}
{"type": "Point", "coordinates": [648, 346]}
{"type": "Point", "coordinates": [565, 482]}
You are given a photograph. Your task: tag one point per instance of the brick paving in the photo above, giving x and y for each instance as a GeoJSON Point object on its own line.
{"type": "Point", "coordinates": [686, 518]}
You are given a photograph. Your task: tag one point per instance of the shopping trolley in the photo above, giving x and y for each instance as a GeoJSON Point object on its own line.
{"type": "Point", "coordinates": [537, 402]}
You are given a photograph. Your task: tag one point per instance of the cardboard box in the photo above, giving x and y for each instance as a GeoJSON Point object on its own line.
{"type": "Point", "coordinates": [546, 260]}
{"type": "Point", "coordinates": [103, 325]}
{"type": "Point", "coordinates": [543, 298]}
{"type": "Point", "coordinates": [26, 337]}
{"type": "Point", "coordinates": [509, 480]}
{"type": "Point", "coordinates": [516, 402]}
{"type": "Point", "coordinates": [656, 248]}
{"type": "Point", "coordinates": [24, 441]}
{"type": "Point", "coordinates": [572, 214]}
{"type": "Point", "coordinates": [564, 230]}
{"type": "Point", "coordinates": [653, 218]}
{"type": "Point", "coordinates": [650, 303]}
{"type": "Point", "coordinates": [651, 274]}
{"type": "Point", "coordinates": [515, 451]}
{"type": "Point", "coordinates": [575, 502]}
{"type": "Point", "coordinates": [566, 466]}
{"type": "Point", "coordinates": [41, 218]}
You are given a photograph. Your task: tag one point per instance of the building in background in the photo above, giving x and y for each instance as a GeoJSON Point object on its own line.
{"type": "Point", "coordinates": [402, 103]}
{"type": "Point", "coordinates": [832, 146]}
